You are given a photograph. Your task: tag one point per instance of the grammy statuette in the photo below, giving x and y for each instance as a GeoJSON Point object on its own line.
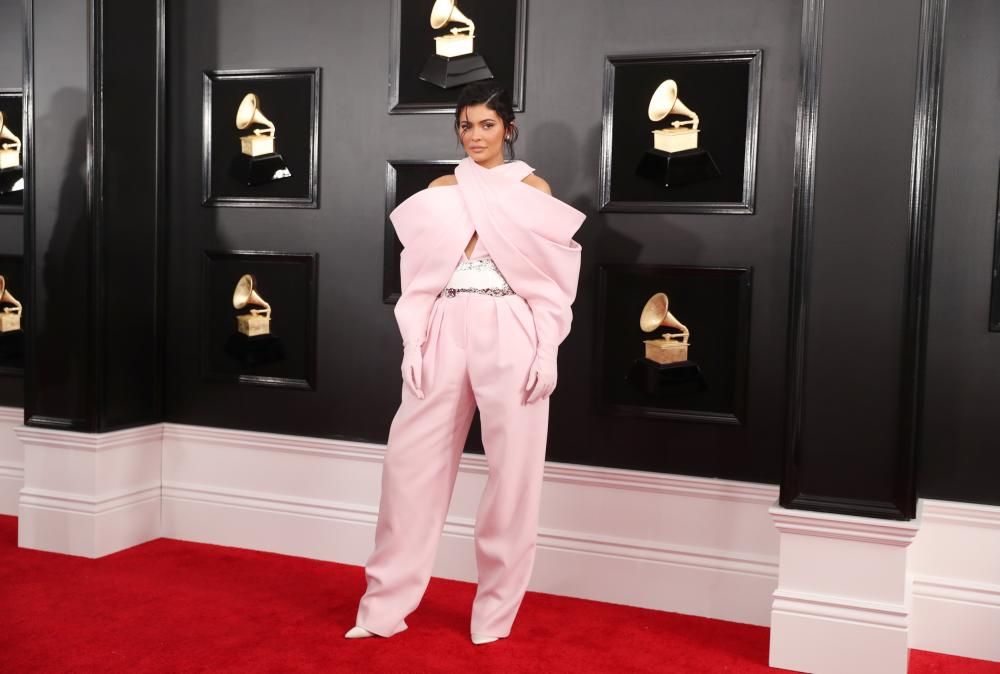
{"type": "Point", "coordinates": [665, 369]}
{"type": "Point", "coordinates": [257, 321]}
{"type": "Point", "coordinates": [11, 171]}
{"type": "Point", "coordinates": [672, 347]}
{"type": "Point", "coordinates": [675, 158]}
{"type": "Point", "coordinates": [10, 317]}
{"type": "Point", "coordinates": [454, 61]}
{"type": "Point", "coordinates": [258, 163]}
{"type": "Point", "coordinates": [253, 344]}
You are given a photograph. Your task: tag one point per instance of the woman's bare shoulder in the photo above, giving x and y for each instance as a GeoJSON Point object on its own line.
{"type": "Point", "coordinates": [443, 181]}
{"type": "Point", "coordinates": [537, 182]}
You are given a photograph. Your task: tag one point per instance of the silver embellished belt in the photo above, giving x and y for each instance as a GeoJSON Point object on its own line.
{"type": "Point", "coordinates": [481, 277]}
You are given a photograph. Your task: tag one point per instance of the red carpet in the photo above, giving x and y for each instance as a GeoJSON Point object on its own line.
{"type": "Point", "coordinates": [170, 606]}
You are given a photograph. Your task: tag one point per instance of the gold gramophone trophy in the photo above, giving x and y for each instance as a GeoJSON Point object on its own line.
{"type": "Point", "coordinates": [257, 321]}
{"type": "Point", "coordinates": [665, 369]}
{"type": "Point", "coordinates": [672, 347]}
{"type": "Point", "coordinates": [10, 317]}
{"type": "Point", "coordinates": [258, 162]}
{"type": "Point", "coordinates": [675, 158]}
{"type": "Point", "coordinates": [455, 61]}
{"type": "Point", "coordinates": [11, 171]}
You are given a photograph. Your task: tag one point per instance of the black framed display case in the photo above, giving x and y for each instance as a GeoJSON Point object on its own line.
{"type": "Point", "coordinates": [499, 45]}
{"type": "Point", "coordinates": [705, 380]}
{"type": "Point", "coordinates": [718, 175]}
{"type": "Point", "coordinates": [284, 354]}
{"type": "Point", "coordinates": [12, 177]}
{"type": "Point", "coordinates": [242, 166]}
{"type": "Point", "coordinates": [403, 179]}
{"type": "Point", "coordinates": [12, 340]}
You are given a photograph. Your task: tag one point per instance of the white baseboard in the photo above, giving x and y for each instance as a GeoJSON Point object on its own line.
{"type": "Point", "coordinates": [955, 575]}
{"type": "Point", "coordinates": [692, 545]}
{"type": "Point", "coordinates": [11, 459]}
{"type": "Point", "coordinates": [89, 494]}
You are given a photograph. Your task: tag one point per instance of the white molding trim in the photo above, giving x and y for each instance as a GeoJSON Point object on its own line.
{"type": "Point", "coordinates": [12, 470]}
{"type": "Point", "coordinates": [955, 579]}
{"type": "Point", "coordinates": [463, 527]}
{"type": "Point", "coordinates": [90, 494]}
{"type": "Point", "coordinates": [844, 527]}
{"type": "Point", "coordinates": [965, 592]}
{"type": "Point", "coordinates": [11, 460]}
{"type": "Point", "coordinates": [811, 604]}
{"type": "Point", "coordinates": [615, 478]}
{"type": "Point", "coordinates": [90, 505]}
{"type": "Point", "coordinates": [11, 415]}
{"type": "Point", "coordinates": [712, 551]}
{"type": "Point", "coordinates": [94, 442]}
{"type": "Point", "coordinates": [971, 514]}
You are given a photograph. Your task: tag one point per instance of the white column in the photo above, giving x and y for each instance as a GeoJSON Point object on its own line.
{"type": "Point", "coordinates": [89, 494]}
{"type": "Point", "coordinates": [843, 601]}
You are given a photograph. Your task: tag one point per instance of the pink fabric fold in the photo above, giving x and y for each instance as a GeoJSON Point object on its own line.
{"type": "Point", "coordinates": [530, 237]}
{"type": "Point", "coordinates": [527, 232]}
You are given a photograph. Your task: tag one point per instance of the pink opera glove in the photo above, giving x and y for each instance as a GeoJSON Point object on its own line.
{"type": "Point", "coordinates": [412, 368]}
{"type": "Point", "coordinates": [542, 376]}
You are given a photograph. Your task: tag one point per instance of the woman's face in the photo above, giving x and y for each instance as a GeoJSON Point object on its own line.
{"type": "Point", "coordinates": [482, 133]}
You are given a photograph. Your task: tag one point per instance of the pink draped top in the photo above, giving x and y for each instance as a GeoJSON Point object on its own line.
{"type": "Point", "coordinates": [528, 233]}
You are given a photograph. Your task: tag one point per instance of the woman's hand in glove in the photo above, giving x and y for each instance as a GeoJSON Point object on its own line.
{"type": "Point", "coordinates": [542, 375]}
{"type": "Point", "coordinates": [412, 368]}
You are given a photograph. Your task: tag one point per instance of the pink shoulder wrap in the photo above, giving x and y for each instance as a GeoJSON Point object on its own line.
{"type": "Point", "coordinates": [528, 234]}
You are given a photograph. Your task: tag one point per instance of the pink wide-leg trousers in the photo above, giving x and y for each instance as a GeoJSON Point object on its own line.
{"type": "Point", "coordinates": [478, 352]}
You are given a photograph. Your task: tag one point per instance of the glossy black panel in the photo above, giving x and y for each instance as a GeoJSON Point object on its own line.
{"type": "Point", "coordinates": [128, 248]}
{"type": "Point", "coordinates": [959, 458]}
{"type": "Point", "coordinates": [58, 245]}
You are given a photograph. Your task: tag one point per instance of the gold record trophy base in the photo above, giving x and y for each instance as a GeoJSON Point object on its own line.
{"type": "Point", "coordinates": [665, 352]}
{"type": "Point", "coordinates": [9, 159]}
{"type": "Point", "coordinates": [10, 322]}
{"type": "Point", "coordinates": [252, 325]}
{"type": "Point", "coordinates": [451, 46]}
{"type": "Point", "coordinates": [675, 140]}
{"type": "Point", "coordinates": [255, 146]}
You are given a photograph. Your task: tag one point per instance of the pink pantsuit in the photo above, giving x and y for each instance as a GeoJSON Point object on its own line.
{"type": "Point", "coordinates": [477, 350]}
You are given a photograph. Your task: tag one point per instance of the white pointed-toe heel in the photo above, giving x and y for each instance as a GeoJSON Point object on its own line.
{"type": "Point", "coordinates": [358, 632]}
{"type": "Point", "coordinates": [479, 639]}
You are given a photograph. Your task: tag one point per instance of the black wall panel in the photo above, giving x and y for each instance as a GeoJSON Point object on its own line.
{"type": "Point", "coordinates": [130, 365]}
{"type": "Point", "coordinates": [961, 427]}
{"type": "Point", "coordinates": [359, 346]}
{"type": "Point", "coordinates": [58, 334]}
{"type": "Point", "coordinates": [851, 397]}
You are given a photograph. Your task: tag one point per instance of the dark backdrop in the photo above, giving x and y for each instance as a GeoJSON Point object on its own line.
{"type": "Point", "coordinates": [358, 384]}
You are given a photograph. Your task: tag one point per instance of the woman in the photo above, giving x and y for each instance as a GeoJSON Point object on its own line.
{"type": "Point", "coordinates": [489, 271]}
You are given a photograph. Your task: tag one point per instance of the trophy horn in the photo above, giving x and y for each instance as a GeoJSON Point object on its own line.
{"type": "Point", "coordinates": [5, 296]}
{"type": "Point", "coordinates": [656, 313]}
{"type": "Point", "coordinates": [249, 113]}
{"type": "Point", "coordinates": [446, 11]}
{"type": "Point", "coordinates": [7, 134]}
{"type": "Point", "coordinates": [245, 294]}
{"type": "Point", "coordinates": [665, 102]}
